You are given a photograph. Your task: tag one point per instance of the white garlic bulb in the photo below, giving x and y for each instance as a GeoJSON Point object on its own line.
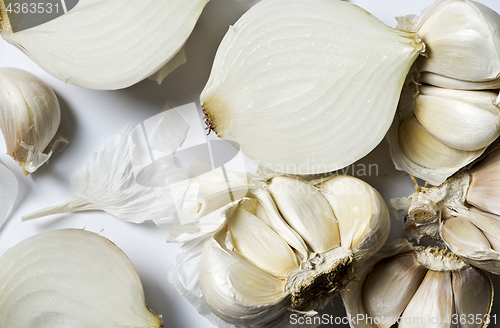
{"type": "Point", "coordinates": [71, 278]}
{"type": "Point", "coordinates": [109, 44]}
{"type": "Point", "coordinates": [418, 287]}
{"type": "Point", "coordinates": [445, 119]}
{"type": "Point", "coordinates": [307, 86]}
{"type": "Point", "coordinates": [463, 213]}
{"type": "Point", "coordinates": [287, 248]}
{"type": "Point", "coordinates": [29, 118]}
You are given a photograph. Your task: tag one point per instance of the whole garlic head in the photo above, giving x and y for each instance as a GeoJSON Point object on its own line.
{"type": "Point", "coordinates": [418, 287]}
{"type": "Point", "coordinates": [448, 114]}
{"type": "Point", "coordinates": [29, 118]}
{"type": "Point", "coordinates": [463, 213]}
{"type": "Point", "coordinates": [289, 247]}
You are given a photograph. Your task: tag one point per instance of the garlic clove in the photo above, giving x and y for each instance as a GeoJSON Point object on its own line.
{"type": "Point", "coordinates": [277, 222]}
{"type": "Point", "coordinates": [422, 149]}
{"type": "Point", "coordinates": [484, 190]}
{"type": "Point", "coordinates": [464, 120]}
{"type": "Point", "coordinates": [493, 240]}
{"type": "Point", "coordinates": [307, 211]}
{"type": "Point", "coordinates": [462, 39]}
{"type": "Point", "coordinates": [390, 286]}
{"type": "Point", "coordinates": [445, 82]}
{"type": "Point", "coordinates": [473, 294]}
{"type": "Point", "coordinates": [356, 206]}
{"type": "Point", "coordinates": [237, 291]}
{"type": "Point", "coordinates": [9, 188]}
{"type": "Point", "coordinates": [29, 117]}
{"type": "Point", "coordinates": [261, 213]}
{"type": "Point", "coordinates": [434, 297]}
{"type": "Point", "coordinates": [307, 86]}
{"type": "Point", "coordinates": [111, 44]}
{"type": "Point", "coordinates": [464, 235]}
{"type": "Point", "coordinates": [253, 239]}
{"type": "Point", "coordinates": [71, 278]}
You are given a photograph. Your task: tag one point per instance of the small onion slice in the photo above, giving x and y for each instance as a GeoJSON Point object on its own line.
{"type": "Point", "coordinates": [71, 278]}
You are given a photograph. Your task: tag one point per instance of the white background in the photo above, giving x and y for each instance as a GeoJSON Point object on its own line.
{"type": "Point", "coordinates": [91, 118]}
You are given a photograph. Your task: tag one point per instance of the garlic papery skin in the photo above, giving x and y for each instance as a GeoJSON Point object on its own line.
{"type": "Point", "coordinates": [463, 40]}
{"type": "Point", "coordinates": [410, 286]}
{"type": "Point", "coordinates": [307, 86]}
{"type": "Point", "coordinates": [29, 118]}
{"type": "Point", "coordinates": [462, 213]}
{"type": "Point", "coordinates": [71, 278]}
{"type": "Point", "coordinates": [261, 264]}
{"type": "Point", "coordinates": [108, 44]}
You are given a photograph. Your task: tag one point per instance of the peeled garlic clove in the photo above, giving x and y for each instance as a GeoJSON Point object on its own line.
{"type": "Point", "coordinates": [68, 278]}
{"type": "Point", "coordinates": [472, 284]}
{"type": "Point", "coordinates": [435, 298]}
{"type": "Point", "coordinates": [391, 285]}
{"type": "Point", "coordinates": [29, 117]}
{"type": "Point", "coordinates": [463, 120]}
{"type": "Point", "coordinates": [8, 192]}
{"type": "Point", "coordinates": [307, 86]}
{"type": "Point", "coordinates": [237, 291]}
{"type": "Point", "coordinates": [307, 211]}
{"type": "Point", "coordinates": [423, 149]}
{"type": "Point", "coordinates": [357, 207]}
{"type": "Point", "coordinates": [254, 239]}
{"type": "Point", "coordinates": [108, 44]}
{"type": "Point", "coordinates": [463, 41]}
{"type": "Point", "coordinates": [484, 192]}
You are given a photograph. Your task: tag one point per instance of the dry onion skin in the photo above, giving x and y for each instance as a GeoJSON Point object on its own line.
{"type": "Point", "coordinates": [406, 286]}
{"type": "Point", "coordinates": [462, 213]}
{"type": "Point", "coordinates": [71, 278]}
{"type": "Point", "coordinates": [108, 44]}
{"type": "Point", "coordinates": [307, 86]}
{"type": "Point", "coordinates": [449, 112]}
{"type": "Point", "coordinates": [287, 247]}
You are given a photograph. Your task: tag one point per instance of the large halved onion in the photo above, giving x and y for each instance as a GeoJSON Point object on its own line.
{"type": "Point", "coordinates": [71, 278]}
{"type": "Point", "coordinates": [307, 86]}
